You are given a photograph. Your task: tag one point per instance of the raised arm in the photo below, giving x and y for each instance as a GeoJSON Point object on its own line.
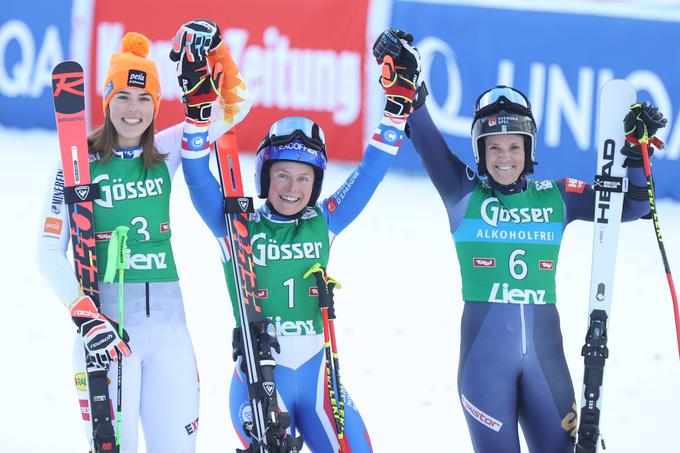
{"type": "Point", "coordinates": [640, 123]}
{"type": "Point", "coordinates": [452, 178]}
{"type": "Point", "coordinates": [579, 198]}
{"type": "Point", "coordinates": [215, 99]}
{"type": "Point", "coordinates": [400, 69]}
{"type": "Point", "coordinates": [349, 200]}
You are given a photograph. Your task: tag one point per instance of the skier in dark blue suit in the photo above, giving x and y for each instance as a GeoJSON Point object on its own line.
{"type": "Point", "coordinates": [507, 230]}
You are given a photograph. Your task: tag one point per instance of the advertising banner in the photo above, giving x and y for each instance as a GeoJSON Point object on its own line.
{"type": "Point", "coordinates": [32, 41]}
{"type": "Point", "coordinates": [297, 58]}
{"type": "Point", "coordinates": [560, 59]}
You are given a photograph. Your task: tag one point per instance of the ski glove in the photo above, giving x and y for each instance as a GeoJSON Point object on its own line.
{"type": "Point", "coordinates": [400, 70]}
{"type": "Point", "coordinates": [640, 126]}
{"type": "Point", "coordinates": [100, 335]}
{"type": "Point", "coordinates": [195, 40]}
{"type": "Point", "coordinates": [199, 81]}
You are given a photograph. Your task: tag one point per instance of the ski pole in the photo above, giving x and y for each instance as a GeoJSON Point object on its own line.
{"type": "Point", "coordinates": [325, 289]}
{"type": "Point", "coordinates": [657, 228]}
{"type": "Point", "coordinates": [116, 262]}
{"type": "Point", "coordinates": [331, 284]}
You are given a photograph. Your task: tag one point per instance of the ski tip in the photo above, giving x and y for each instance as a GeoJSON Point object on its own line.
{"type": "Point", "coordinates": [67, 66]}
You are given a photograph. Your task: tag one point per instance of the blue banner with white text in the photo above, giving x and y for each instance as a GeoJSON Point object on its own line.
{"type": "Point", "coordinates": [560, 60]}
{"type": "Point", "coordinates": [34, 37]}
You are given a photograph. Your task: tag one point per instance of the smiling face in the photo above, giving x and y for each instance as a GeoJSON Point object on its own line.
{"type": "Point", "coordinates": [290, 186]}
{"type": "Point", "coordinates": [131, 111]}
{"type": "Point", "coordinates": [504, 154]}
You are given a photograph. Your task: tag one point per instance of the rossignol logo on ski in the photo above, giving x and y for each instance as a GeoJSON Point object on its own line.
{"type": "Point", "coordinates": [82, 192]}
{"type": "Point", "coordinates": [244, 203]}
{"type": "Point", "coordinates": [268, 387]}
{"type": "Point", "coordinates": [68, 82]}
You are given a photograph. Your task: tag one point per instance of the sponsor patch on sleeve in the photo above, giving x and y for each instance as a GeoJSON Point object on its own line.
{"type": "Point", "coordinates": [52, 225]}
{"type": "Point", "coordinates": [575, 185]}
{"type": "Point", "coordinates": [85, 409]}
{"type": "Point", "coordinates": [81, 381]}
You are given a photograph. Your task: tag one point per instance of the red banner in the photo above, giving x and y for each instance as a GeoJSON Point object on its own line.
{"type": "Point", "coordinates": [297, 57]}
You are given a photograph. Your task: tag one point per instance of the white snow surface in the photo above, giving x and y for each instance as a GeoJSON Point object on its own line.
{"type": "Point", "coordinates": [398, 319]}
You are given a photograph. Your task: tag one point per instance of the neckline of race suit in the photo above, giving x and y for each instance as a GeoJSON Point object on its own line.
{"type": "Point", "coordinates": [518, 186]}
{"type": "Point", "coordinates": [127, 153]}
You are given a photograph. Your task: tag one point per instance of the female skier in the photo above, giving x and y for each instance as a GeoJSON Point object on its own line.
{"type": "Point", "coordinates": [134, 168]}
{"type": "Point", "coordinates": [507, 230]}
{"type": "Point", "coordinates": [291, 233]}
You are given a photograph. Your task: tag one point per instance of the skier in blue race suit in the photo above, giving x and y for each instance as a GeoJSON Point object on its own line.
{"type": "Point", "coordinates": [507, 230]}
{"type": "Point", "coordinates": [290, 234]}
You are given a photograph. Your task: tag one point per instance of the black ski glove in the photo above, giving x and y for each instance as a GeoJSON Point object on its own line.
{"type": "Point", "coordinates": [640, 125]}
{"type": "Point", "coordinates": [195, 40]}
{"type": "Point", "coordinates": [400, 70]}
{"type": "Point", "coordinates": [198, 79]}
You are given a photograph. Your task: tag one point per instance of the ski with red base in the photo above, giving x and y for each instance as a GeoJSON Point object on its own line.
{"type": "Point", "coordinates": [79, 192]}
{"type": "Point", "coordinates": [256, 337]}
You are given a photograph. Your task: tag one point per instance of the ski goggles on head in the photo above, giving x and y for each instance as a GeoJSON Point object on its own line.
{"type": "Point", "coordinates": [502, 97]}
{"type": "Point", "coordinates": [298, 128]}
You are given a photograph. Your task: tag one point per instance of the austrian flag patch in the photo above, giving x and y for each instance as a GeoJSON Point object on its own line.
{"type": "Point", "coordinates": [574, 185]}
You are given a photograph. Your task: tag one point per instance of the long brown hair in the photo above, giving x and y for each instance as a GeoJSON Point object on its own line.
{"type": "Point", "coordinates": [104, 139]}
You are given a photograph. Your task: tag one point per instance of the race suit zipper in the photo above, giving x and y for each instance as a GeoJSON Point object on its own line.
{"type": "Point", "coordinates": [148, 308]}
{"type": "Point", "coordinates": [524, 330]}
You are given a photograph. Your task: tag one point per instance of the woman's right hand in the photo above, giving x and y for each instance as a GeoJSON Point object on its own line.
{"type": "Point", "coordinates": [100, 335]}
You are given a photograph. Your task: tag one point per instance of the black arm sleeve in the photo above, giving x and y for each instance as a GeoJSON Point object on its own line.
{"type": "Point", "coordinates": [580, 205]}
{"type": "Point", "coordinates": [450, 176]}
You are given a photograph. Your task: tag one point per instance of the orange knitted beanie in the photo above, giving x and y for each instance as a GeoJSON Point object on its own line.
{"type": "Point", "coordinates": [131, 68]}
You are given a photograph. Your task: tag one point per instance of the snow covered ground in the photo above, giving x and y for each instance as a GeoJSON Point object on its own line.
{"type": "Point", "coordinates": [398, 325]}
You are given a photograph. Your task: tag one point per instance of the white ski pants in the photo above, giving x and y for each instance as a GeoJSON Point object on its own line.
{"type": "Point", "coordinates": [160, 381]}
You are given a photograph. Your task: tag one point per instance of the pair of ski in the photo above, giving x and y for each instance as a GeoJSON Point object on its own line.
{"type": "Point", "coordinates": [68, 89]}
{"type": "Point", "coordinates": [616, 98]}
{"type": "Point", "coordinates": [253, 342]}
